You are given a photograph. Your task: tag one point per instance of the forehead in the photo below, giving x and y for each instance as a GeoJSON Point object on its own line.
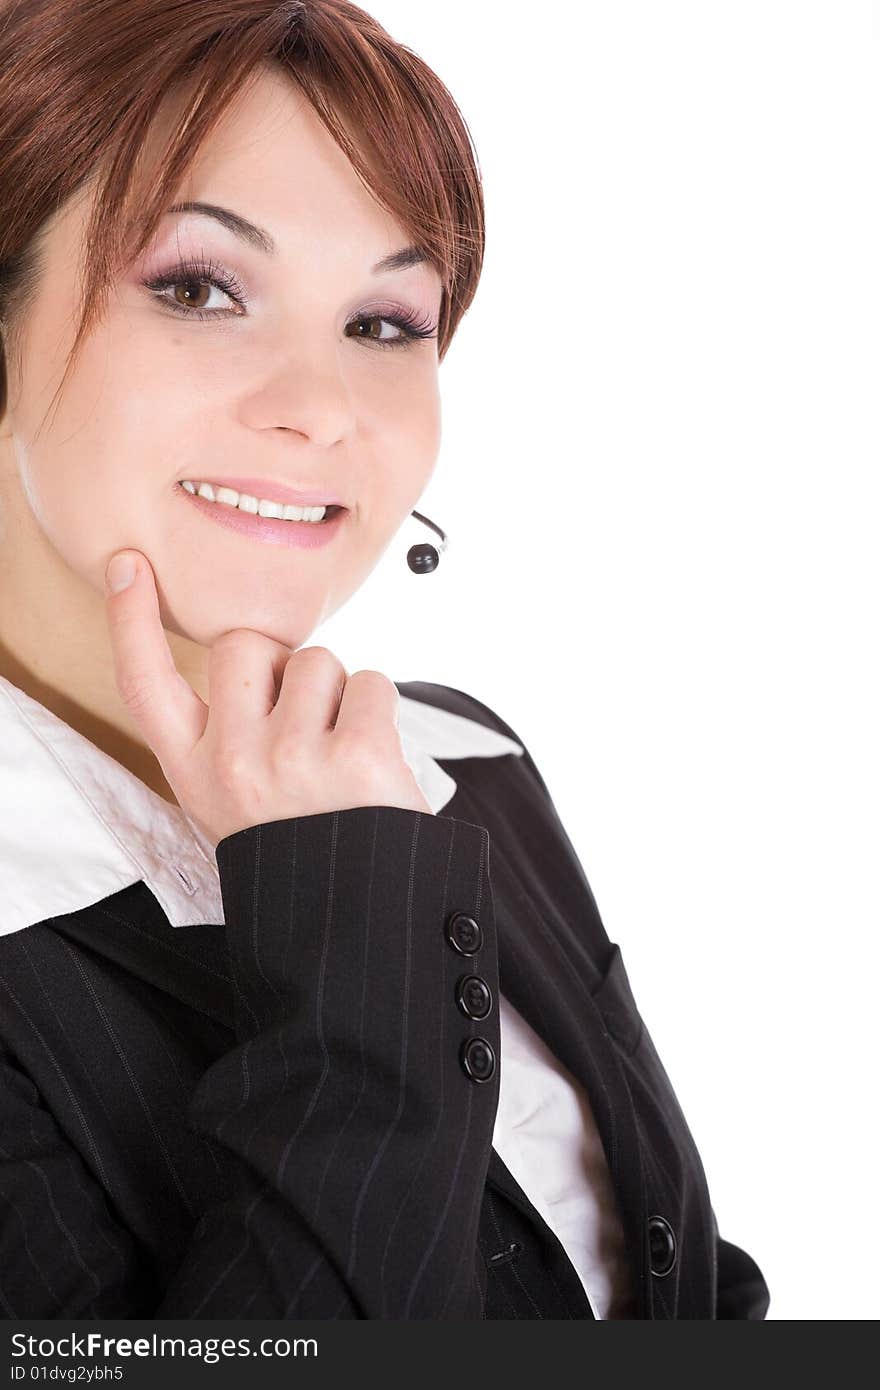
{"type": "Point", "coordinates": [271, 158]}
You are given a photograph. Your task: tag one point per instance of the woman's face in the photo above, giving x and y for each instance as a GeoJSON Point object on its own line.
{"type": "Point", "coordinates": [290, 385]}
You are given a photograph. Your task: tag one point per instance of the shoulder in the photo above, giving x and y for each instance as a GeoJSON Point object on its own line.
{"type": "Point", "coordinates": [509, 796]}
{"type": "Point", "coordinates": [460, 702]}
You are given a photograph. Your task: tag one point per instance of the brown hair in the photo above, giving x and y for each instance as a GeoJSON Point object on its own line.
{"type": "Point", "coordinates": [80, 86]}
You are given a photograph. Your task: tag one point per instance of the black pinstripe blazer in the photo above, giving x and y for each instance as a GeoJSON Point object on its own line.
{"type": "Point", "coordinates": [277, 1120]}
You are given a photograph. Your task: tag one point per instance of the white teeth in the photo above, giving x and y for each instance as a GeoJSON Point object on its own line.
{"type": "Point", "coordinates": [257, 506]}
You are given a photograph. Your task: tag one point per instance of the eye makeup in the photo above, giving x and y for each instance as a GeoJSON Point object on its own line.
{"type": "Point", "coordinates": [194, 273]}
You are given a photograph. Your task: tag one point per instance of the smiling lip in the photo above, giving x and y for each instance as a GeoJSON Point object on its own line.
{"type": "Point", "coordinates": [268, 491]}
{"type": "Point", "coordinates": [305, 535]}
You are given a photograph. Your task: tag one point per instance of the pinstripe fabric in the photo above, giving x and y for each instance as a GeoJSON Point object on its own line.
{"type": "Point", "coordinates": [279, 1124]}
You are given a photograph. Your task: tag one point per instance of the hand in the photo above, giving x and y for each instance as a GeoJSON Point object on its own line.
{"type": "Point", "coordinates": [287, 733]}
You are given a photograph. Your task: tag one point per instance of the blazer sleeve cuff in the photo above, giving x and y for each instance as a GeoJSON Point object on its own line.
{"type": "Point", "coordinates": [364, 1090]}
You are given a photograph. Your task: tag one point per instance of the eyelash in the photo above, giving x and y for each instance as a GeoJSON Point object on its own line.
{"type": "Point", "coordinates": [198, 272]}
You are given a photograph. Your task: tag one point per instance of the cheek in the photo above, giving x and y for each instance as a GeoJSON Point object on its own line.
{"type": "Point", "coordinates": [90, 492]}
{"type": "Point", "coordinates": [82, 518]}
{"type": "Point", "coordinates": [405, 430]}
{"type": "Point", "coordinates": [99, 474]}
{"type": "Point", "coordinates": [413, 403]}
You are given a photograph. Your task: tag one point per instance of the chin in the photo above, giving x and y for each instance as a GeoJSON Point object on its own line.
{"type": "Point", "coordinates": [204, 631]}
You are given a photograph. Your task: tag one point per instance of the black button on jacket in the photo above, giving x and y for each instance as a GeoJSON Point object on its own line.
{"type": "Point", "coordinates": [279, 1120]}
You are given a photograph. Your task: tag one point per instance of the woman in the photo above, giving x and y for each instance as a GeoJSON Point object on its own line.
{"type": "Point", "coordinates": [257, 961]}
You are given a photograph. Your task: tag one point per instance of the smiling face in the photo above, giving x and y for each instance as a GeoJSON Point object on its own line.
{"type": "Point", "coordinates": [302, 375]}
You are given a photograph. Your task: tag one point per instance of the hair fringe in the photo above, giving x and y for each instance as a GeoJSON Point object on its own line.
{"type": "Point", "coordinates": [82, 85]}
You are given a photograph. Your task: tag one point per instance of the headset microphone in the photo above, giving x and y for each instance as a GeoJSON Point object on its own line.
{"type": "Point", "coordinates": [424, 558]}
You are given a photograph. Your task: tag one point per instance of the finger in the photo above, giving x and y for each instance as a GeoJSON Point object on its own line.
{"type": "Point", "coordinates": [370, 705]}
{"type": "Point", "coordinates": [245, 671]}
{"type": "Point", "coordinates": [311, 688]}
{"type": "Point", "coordinates": [166, 709]}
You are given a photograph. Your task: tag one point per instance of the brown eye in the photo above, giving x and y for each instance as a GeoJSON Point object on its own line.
{"type": "Point", "coordinates": [184, 288]}
{"type": "Point", "coordinates": [190, 284]}
{"type": "Point", "coordinates": [375, 320]}
{"type": "Point", "coordinates": [196, 293]}
{"type": "Point", "coordinates": [407, 329]}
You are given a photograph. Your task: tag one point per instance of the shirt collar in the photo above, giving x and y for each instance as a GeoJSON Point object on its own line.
{"type": "Point", "coordinates": [76, 825]}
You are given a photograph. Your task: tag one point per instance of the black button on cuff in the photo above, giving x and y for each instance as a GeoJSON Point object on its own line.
{"type": "Point", "coordinates": [478, 1058]}
{"type": "Point", "coordinates": [473, 996]}
{"type": "Point", "coordinates": [662, 1242]}
{"type": "Point", "coordinates": [464, 933]}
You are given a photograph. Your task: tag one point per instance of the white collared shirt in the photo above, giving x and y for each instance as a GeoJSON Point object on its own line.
{"type": "Point", "coordinates": [117, 831]}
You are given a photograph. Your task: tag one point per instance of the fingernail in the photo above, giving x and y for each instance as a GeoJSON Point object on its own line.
{"type": "Point", "coordinates": [120, 572]}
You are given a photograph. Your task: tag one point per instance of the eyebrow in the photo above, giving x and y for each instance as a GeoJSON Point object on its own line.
{"type": "Point", "coordinates": [260, 240]}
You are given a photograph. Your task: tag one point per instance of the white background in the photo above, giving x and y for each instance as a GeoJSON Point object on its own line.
{"type": "Point", "coordinates": [659, 479]}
